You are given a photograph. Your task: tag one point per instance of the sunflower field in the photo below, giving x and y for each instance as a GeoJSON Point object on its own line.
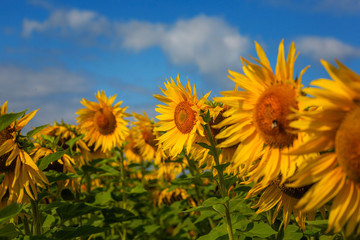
{"type": "Point", "coordinates": [269, 159]}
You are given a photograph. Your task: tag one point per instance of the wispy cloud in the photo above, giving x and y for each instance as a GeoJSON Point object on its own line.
{"type": "Point", "coordinates": [71, 22]}
{"type": "Point", "coordinates": [57, 92]}
{"type": "Point", "coordinates": [335, 7]}
{"type": "Point", "coordinates": [327, 48]}
{"type": "Point", "coordinates": [209, 43]}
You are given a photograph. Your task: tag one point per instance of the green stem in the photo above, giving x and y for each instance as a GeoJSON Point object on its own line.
{"type": "Point", "coordinates": [88, 182]}
{"type": "Point", "coordinates": [195, 174]}
{"type": "Point", "coordinates": [26, 226]}
{"type": "Point", "coordinates": [222, 185]}
{"type": "Point", "coordinates": [123, 185]}
{"type": "Point", "coordinates": [36, 216]}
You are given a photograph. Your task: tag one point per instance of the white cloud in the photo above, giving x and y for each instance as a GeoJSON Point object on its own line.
{"type": "Point", "coordinates": [55, 91]}
{"type": "Point", "coordinates": [335, 7]}
{"type": "Point", "coordinates": [25, 82]}
{"type": "Point", "coordinates": [327, 48]}
{"type": "Point", "coordinates": [209, 43]}
{"type": "Point", "coordinates": [69, 22]}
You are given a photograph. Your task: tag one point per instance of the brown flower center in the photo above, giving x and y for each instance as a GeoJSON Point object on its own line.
{"type": "Point", "coordinates": [184, 117]}
{"type": "Point", "coordinates": [271, 112]}
{"type": "Point", "coordinates": [105, 121]}
{"type": "Point", "coordinates": [148, 137]}
{"type": "Point", "coordinates": [347, 144]}
{"type": "Point", "coordinates": [292, 192]}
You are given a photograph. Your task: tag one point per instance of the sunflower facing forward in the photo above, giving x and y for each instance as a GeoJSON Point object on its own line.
{"type": "Point", "coordinates": [180, 119]}
{"type": "Point", "coordinates": [333, 125]}
{"type": "Point", "coordinates": [258, 116]}
{"type": "Point", "coordinates": [103, 123]}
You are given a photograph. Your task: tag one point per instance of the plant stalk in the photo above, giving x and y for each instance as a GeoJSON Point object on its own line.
{"type": "Point", "coordinates": [222, 184]}
{"type": "Point", "coordinates": [36, 216]}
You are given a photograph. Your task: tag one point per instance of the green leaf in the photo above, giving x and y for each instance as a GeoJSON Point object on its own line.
{"type": "Point", "coordinates": [199, 208]}
{"type": "Point", "coordinates": [220, 209]}
{"type": "Point", "coordinates": [36, 130]}
{"type": "Point", "coordinates": [72, 141]}
{"type": "Point", "coordinates": [204, 145]}
{"type": "Point", "coordinates": [72, 210]}
{"type": "Point", "coordinates": [222, 167]}
{"type": "Point", "coordinates": [212, 201]}
{"type": "Point", "coordinates": [73, 232]}
{"type": "Point", "coordinates": [43, 163]}
{"type": "Point", "coordinates": [48, 222]}
{"type": "Point", "coordinates": [151, 228]}
{"type": "Point", "coordinates": [7, 119]}
{"type": "Point", "coordinates": [138, 189]}
{"type": "Point", "coordinates": [261, 230]}
{"type": "Point", "coordinates": [103, 198]}
{"type": "Point", "coordinates": [205, 215]}
{"type": "Point", "coordinates": [8, 231]}
{"type": "Point", "coordinates": [112, 215]}
{"type": "Point", "coordinates": [207, 117]}
{"type": "Point", "coordinates": [54, 176]}
{"type": "Point", "coordinates": [67, 195]}
{"type": "Point", "coordinates": [219, 232]}
{"type": "Point", "coordinates": [91, 169]}
{"type": "Point", "coordinates": [9, 212]}
{"type": "Point", "coordinates": [292, 233]}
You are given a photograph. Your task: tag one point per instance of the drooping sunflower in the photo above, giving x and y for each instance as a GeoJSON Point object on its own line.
{"type": "Point", "coordinates": [22, 177]}
{"type": "Point", "coordinates": [258, 117]}
{"type": "Point", "coordinates": [180, 118]}
{"type": "Point", "coordinates": [168, 197]}
{"type": "Point", "coordinates": [65, 132]}
{"type": "Point", "coordinates": [280, 197]}
{"type": "Point", "coordinates": [103, 123]}
{"type": "Point", "coordinates": [334, 130]}
{"type": "Point", "coordinates": [63, 165]}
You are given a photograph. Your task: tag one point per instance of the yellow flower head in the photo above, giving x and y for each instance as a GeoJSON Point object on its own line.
{"type": "Point", "coordinates": [258, 118]}
{"type": "Point", "coordinates": [180, 118]}
{"type": "Point", "coordinates": [333, 125]}
{"type": "Point", "coordinates": [131, 151]}
{"type": "Point", "coordinates": [145, 136]}
{"type": "Point", "coordinates": [21, 173]}
{"type": "Point", "coordinates": [103, 123]}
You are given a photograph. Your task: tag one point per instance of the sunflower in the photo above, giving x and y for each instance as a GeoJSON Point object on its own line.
{"type": "Point", "coordinates": [64, 132]}
{"type": "Point", "coordinates": [334, 130]}
{"type": "Point", "coordinates": [279, 196]}
{"type": "Point", "coordinates": [131, 151]}
{"type": "Point", "coordinates": [145, 136]}
{"type": "Point", "coordinates": [180, 119]}
{"type": "Point", "coordinates": [257, 119]}
{"type": "Point", "coordinates": [21, 175]}
{"type": "Point", "coordinates": [103, 123]}
{"type": "Point", "coordinates": [63, 165]}
{"type": "Point", "coordinates": [168, 196]}
{"type": "Point", "coordinates": [201, 154]}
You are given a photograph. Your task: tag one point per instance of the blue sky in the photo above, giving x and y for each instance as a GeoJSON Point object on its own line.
{"type": "Point", "coordinates": [54, 53]}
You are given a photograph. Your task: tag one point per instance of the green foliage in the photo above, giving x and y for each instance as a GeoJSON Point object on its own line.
{"type": "Point", "coordinates": [109, 202]}
{"type": "Point", "coordinates": [7, 119]}
{"type": "Point", "coordinates": [44, 162]}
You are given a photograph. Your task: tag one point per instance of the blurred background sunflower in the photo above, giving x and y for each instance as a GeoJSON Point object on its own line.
{"type": "Point", "coordinates": [103, 123]}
